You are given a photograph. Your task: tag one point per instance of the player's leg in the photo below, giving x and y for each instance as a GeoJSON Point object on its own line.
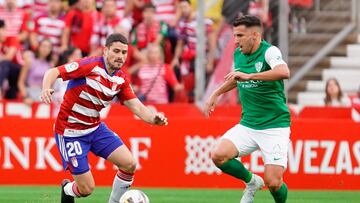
{"type": "Point", "coordinates": [233, 143]}
{"type": "Point", "coordinates": [108, 145]}
{"type": "Point", "coordinates": [82, 186]}
{"type": "Point", "coordinates": [73, 151]}
{"type": "Point", "coordinates": [123, 179]}
{"type": "Point", "coordinates": [274, 146]}
{"type": "Point", "coordinates": [274, 181]}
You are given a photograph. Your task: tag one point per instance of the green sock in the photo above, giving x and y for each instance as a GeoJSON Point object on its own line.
{"type": "Point", "coordinates": [280, 195]}
{"type": "Point", "coordinates": [235, 168]}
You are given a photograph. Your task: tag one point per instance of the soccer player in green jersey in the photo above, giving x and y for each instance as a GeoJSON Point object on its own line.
{"type": "Point", "coordinates": [265, 123]}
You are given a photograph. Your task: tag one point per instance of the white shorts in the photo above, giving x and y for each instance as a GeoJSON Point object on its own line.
{"type": "Point", "coordinates": [273, 143]}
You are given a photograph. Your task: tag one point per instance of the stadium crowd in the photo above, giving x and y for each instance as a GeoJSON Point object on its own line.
{"type": "Point", "coordinates": [40, 34]}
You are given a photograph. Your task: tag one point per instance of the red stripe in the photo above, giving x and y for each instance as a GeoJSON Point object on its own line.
{"type": "Point", "coordinates": [75, 189]}
{"type": "Point", "coordinates": [89, 104]}
{"type": "Point", "coordinates": [125, 175]}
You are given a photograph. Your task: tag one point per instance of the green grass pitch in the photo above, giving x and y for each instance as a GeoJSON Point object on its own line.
{"type": "Point", "coordinates": [51, 194]}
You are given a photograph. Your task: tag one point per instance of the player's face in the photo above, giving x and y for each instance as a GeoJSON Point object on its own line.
{"type": "Point", "coordinates": [244, 38]}
{"type": "Point", "coordinates": [115, 55]}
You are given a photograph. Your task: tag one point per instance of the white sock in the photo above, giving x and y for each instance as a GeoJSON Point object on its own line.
{"type": "Point", "coordinates": [121, 184]}
{"type": "Point", "coordinates": [71, 189]}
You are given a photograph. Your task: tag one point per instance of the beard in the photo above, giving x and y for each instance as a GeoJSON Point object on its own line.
{"type": "Point", "coordinates": [113, 66]}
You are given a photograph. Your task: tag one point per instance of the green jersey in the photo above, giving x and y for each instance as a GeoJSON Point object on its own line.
{"type": "Point", "coordinates": [263, 102]}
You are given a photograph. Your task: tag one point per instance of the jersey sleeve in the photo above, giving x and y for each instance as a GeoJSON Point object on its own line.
{"type": "Point", "coordinates": [76, 69]}
{"type": "Point", "coordinates": [126, 92]}
{"type": "Point", "coordinates": [273, 57]}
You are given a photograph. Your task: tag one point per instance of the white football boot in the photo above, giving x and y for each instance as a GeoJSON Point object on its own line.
{"type": "Point", "coordinates": [256, 183]}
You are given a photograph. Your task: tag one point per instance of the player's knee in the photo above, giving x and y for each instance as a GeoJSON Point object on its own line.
{"type": "Point", "coordinates": [130, 166]}
{"type": "Point", "coordinates": [273, 184]}
{"type": "Point", "coordinates": [218, 157]}
{"type": "Point", "coordinates": [86, 189]}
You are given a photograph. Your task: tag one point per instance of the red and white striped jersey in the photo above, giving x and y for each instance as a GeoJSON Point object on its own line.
{"type": "Point", "coordinates": [120, 6]}
{"type": "Point", "coordinates": [102, 29]}
{"type": "Point", "coordinates": [15, 21]}
{"type": "Point", "coordinates": [89, 90]}
{"type": "Point", "coordinates": [51, 28]}
{"type": "Point", "coordinates": [39, 7]}
{"type": "Point", "coordinates": [187, 32]}
{"type": "Point", "coordinates": [154, 80]}
{"type": "Point", "coordinates": [165, 10]}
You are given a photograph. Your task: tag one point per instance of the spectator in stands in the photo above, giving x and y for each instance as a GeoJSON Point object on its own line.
{"type": "Point", "coordinates": [149, 30]}
{"type": "Point", "coordinates": [166, 11]}
{"type": "Point", "coordinates": [39, 7]}
{"type": "Point", "coordinates": [33, 70]}
{"type": "Point", "coordinates": [185, 51]}
{"type": "Point", "coordinates": [49, 25]}
{"type": "Point", "coordinates": [10, 58]}
{"type": "Point", "coordinates": [122, 7]}
{"type": "Point", "coordinates": [106, 24]}
{"type": "Point", "coordinates": [137, 8]}
{"type": "Point", "coordinates": [297, 17]}
{"type": "Point", "coordinates": [18, 19]}
{"type": "Point", "coordinates": [334, 95]}
{"type": "Point", "coordinates": [154, 76]}
{"type": "Point", "coordinates": [79, 23]}
{"type": "Point", "coordinates": [355, 104]}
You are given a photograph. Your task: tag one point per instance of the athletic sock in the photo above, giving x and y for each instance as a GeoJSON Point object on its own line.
{"type": "Point", "coordinates": [72, 189]}
{"type": "Point", "coordinates": [122, 182]}
{"type": "Point", "coordinates": [236, 169]}
{"type": "Point", "coordinates": [280, 195]}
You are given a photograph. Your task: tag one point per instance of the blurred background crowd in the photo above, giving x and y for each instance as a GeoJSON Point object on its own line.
{"type": "Point", "coordinates": [36, 35]}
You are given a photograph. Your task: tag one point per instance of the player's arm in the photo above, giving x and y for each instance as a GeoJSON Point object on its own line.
{"type": "Point", "coordinates": [49, 78]}
{"type": "Point", "coordinates": [211, 103]}
{"type": "Point", "coordinates": [144, 113]}
{"type": "Point", "coordinates": [279, 69]}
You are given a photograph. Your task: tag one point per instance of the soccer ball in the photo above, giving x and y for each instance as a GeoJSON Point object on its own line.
{"type": "Point", "coordinates": [134, 196]}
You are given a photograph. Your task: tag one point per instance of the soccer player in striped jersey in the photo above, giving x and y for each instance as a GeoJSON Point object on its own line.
{"type": "Point", "coordinates": [93, 83]}
{"type": "Point", "coordinates": [265, 123]}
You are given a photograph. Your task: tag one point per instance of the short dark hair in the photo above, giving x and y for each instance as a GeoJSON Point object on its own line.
{"type": "Point", "coordinates": [149, 5]}
{"type": "Point", "coordinates": [115, 37]}
{"type": "Point", "coordinates": [248, 21]}
{"type": "Point", "coordinates": [2, 23]}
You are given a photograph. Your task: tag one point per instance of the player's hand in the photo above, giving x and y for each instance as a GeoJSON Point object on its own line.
{"type": "Point", "coordinates": [238, 76]}
{"type": "Point", "coordinates": [160, 119]}
{"type": "Point", "coordinates": [46, 95]}
{"type": "Point", "coordinates": [210, 105]}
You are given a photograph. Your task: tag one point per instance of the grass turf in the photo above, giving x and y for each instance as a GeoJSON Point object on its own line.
{"type": "Point", "coordinates": [51, 194]}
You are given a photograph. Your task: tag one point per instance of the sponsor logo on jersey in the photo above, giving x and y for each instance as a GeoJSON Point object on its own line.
{"type": "Point", "coordinates": [258, 66]}
{"type": "Point", "coordinates": [70, 67]}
